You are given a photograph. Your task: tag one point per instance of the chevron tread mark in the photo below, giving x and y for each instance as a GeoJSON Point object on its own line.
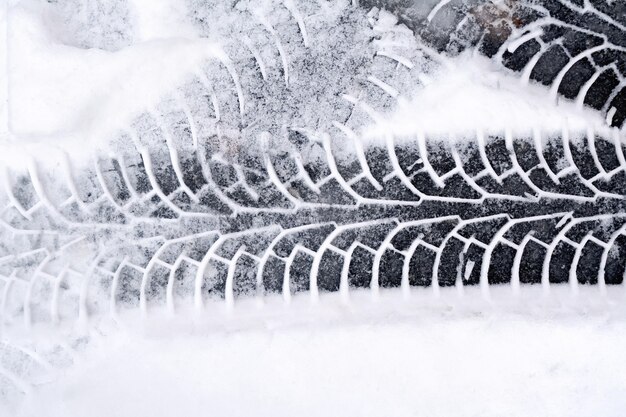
{"type": "Point", "coordinates": [495, 209]}
{"type": "Point", "coordinates": [576, 48]}
{"type": "Point", "coordinates": [238, 186]}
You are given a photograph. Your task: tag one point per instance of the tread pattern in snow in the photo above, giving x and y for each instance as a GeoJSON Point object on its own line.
{"type": "Point", "coordinates": [577, 48]}
{"type": "Point", "coordinates": [238, 184]}
{"type": "Point", "coordinates": [251, 180]}
{"type": "Point", "coordinates": [150, 230]}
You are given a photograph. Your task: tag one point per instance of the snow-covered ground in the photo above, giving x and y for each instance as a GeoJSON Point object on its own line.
{"type": "Point", "coordinates": [466, 366]}
{"type": "Point", "coordinates": [452, 357]}
{"type": "Point", "coordinates": [530, 355]}
{"type": "Point", "coordinates": [439, 358]}
{"type": "Point", "coordinates": [66, 95]}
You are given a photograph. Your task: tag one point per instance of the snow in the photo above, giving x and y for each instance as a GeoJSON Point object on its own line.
{"type": "Point", "coordinates": [470, 93]}
{"type": "Point", "coordinates": [4, 81]}
{"type": "Point", "coordinates": [67, 96]}
{"type": "Point", "coordinates": [71, 93]}
{"type": "Point", "coordinates": [425, 358]}
{"type": "Point", "coordinates": [448, 356]}
{"type": "Point", "coordinates": [69, 87]}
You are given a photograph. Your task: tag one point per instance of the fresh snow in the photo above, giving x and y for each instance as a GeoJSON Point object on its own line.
{"type": "Point", "coordinates": [470, 93]}
{"type": "Point", "coordinates": [450, 357]}
{"type": "Point", "coordinates": [432, 359]}
{"type": "Point", "coordinates": [67, 96]}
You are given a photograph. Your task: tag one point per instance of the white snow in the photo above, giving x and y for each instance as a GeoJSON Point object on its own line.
{"type": "Point", "coordinates": [69, 97]}
{"type": "Point", "coordinates": [422, 358]}
{"type": "Point", "coordinates": [4, 81]}
{"type": "Point", "coordinates": [421, 361]}
{"type": "Point", "coordinates": [471, 93]}
{"type": "Point", "coordinates": [77, 98]}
